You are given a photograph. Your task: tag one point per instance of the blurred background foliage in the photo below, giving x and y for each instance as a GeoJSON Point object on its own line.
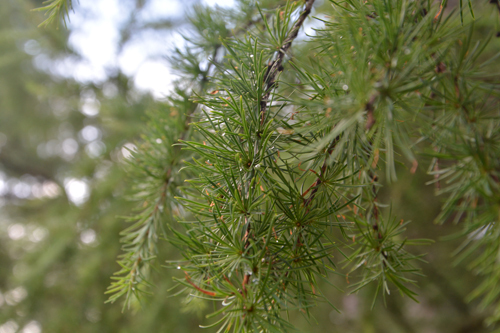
{"type": "Point", "coordinates": [63, 144]}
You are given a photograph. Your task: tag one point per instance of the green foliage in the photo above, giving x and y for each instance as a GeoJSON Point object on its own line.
{"type": "Point", "coordinates": [55, 10]}
{"type": "Point", "coordinates": [157, 174]}
{"type": "Point", "coordinates": [464, 136]}
{"type": "Point", "coordinates": [265, 165]}
{"type": "Point", "coordinates": [157, 166]}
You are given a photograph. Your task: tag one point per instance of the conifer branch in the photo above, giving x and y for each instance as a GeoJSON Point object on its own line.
{"type": "Point", "coordinates": [55, 9]}
{"type": "Point", "coordinates": [259, 229]}
{"type": "Point", "coordinates": [140, 240]}
{"type": "Point", "coordinates": [276, 66]}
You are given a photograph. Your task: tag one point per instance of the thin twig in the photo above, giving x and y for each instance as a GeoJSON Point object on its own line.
{"type": "Point", "coordinates": [277, 65]}
{"type": "Point", "coordinates": [270, 82]}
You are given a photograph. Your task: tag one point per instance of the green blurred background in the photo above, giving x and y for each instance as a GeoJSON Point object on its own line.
{"type": "Point", "coordinates": [63, 128]}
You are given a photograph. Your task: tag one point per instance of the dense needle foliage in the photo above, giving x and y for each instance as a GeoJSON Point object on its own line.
{"type": "Point", "coordinates": [264, 167]}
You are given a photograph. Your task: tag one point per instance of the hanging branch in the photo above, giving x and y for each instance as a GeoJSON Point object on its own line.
{"type": "Point", "coordinates": [55, 9]}
{"type": "Point", "coordinates": [255, 238]}
{"type": "Point", "coordinates": [273, 69]}
{"type": "Point", "coordinates": [140, 240]}
{"type": "Point", "coordinates": [276, 66]}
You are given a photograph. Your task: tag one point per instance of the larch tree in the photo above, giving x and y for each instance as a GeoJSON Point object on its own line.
{"type": "Point", "coordinates": [266, 166]}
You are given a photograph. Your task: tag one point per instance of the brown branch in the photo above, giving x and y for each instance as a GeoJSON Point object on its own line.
{"type": "Point", "coordinates": [370, 109]}
{"type": "Point", "coordinates": [206, 292]}
{"type": "Point", "coordinates": [370, 121]}
{"type": "Point", "coordinates": [246, 279]}
{"type": "Point", "coordinates": [270, 81]}
{"type": "Point", "coordinates": [315, 186]}
{"type": "Point", "coordinates": [374, 179]}
{"type": "Point", "coordinates": [277, 65]}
